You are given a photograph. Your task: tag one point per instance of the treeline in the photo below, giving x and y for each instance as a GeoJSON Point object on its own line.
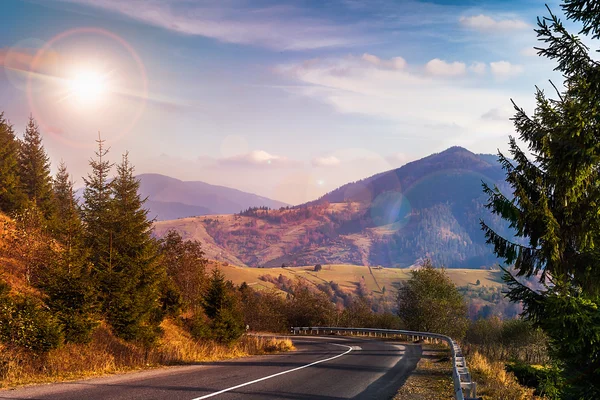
{"type": "Point", "coordinates": [69, 267]}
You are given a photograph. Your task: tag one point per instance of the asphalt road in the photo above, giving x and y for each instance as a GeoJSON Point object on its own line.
{"type": "Point", "coordinates": [323, 368]}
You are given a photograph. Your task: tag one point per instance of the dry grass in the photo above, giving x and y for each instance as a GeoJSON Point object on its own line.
{"type": "Point", "coordinates": [493, 382]}
{"type": "Point", "coordinates": [432, 379]}
{"type": "Point", "coordinates": [106, 355]}
{"type": "Point", "coordinates": [347, 276]}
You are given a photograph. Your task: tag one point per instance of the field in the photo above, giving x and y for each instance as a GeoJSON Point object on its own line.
{"type": "Point", "coordinates": [348, 276]}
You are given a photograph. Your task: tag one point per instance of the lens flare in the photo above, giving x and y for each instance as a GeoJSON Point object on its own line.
{"type": "Point", "coordinates": [87, 87]}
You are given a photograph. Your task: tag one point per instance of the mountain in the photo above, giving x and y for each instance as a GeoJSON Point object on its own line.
{"type": "Point", "coordinates": [170, 198]}
{"type": "Point", "coordinates": [427, 208]}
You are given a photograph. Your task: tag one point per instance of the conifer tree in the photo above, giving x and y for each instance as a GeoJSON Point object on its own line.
{"type": "Point", "coordinates": [34, 169]}
{"type": "Point", "coordinates": [131, 284]}
{"type": "Point", "coordinates": [66, 221]}
{"type": "Point", "coordinates": [555, 203]}
{"type": "Point", "coordinates": [95, 210]}
{"type": "Point", "coordinates": [222, 307]}
{"type": "Point", "coordinates": [12, 197]}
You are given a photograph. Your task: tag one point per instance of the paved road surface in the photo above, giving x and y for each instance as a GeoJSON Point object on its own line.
{"type": "Point", "coordinates": [324, 368]}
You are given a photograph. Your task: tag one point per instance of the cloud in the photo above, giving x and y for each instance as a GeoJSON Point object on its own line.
{"type": "Point", "coordinates": [399, 159]}
{"type": "Point", "coordinates": [478, 68]}
{"type": "Point", "coordinates": [529, 52]}
{"type": "Point", "coordinates": [504, 69]}
{"type": "Point", "coordinates": [485, 23]}
{"type": "Point", "coordinates": [442, 68]}
{"type": "Point", "coordinates": [278, 27]}
{"type": "Point", "coordinates": [445, 108]}
{"type": "Point", "coordinates": [21, 59]}
{"type": "Point", "coordinates": [392, 63]}
{"type": "Point", "coordinates": [498, 114]}
{"type": "Point", "coordinates": [258, 158]}
{"type": "Point", "coordinates": [326, 161]}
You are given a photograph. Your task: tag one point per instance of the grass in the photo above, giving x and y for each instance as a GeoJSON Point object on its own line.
{"type": "Point", "coordinates": [432, 379]}
{"type": "Point", "coordinates": [106, 354]}
{"type": "Point", "coordinates": [348, 276]}
{"type": "Point", "coordinates": [494, 382]}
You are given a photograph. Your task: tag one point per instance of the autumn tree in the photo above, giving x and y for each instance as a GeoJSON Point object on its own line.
{"type": "Point", "coordinates": [555, 200]}
{"type": "Point", "coordinates": [430, 302]}
{"type": "Point", "coordinates": [186, 267]}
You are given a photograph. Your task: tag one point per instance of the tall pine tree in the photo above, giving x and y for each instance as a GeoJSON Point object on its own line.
{"type": "Point", "coordinates": [135, 274]}
{"type": "Point", "coordinates": [12, 197]}
{"type": "Point", "coordinates": [555, 203]}
{"type": "Point", "coordinates": [34, 167]}
{"type": "Point", "coordinates": [66, 221]}
{"type": "Point", "coordinates": [95, 210]}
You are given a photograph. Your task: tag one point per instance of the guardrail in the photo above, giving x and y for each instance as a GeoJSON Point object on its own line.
{"type": "Point", "coordinates": [463, 385]}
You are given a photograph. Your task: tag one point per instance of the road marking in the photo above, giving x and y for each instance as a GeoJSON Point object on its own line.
{"type": "Point", "coordinates": [277, 374]}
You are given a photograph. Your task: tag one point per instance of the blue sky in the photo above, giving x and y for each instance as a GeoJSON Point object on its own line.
{"type": "Point", "coordinates": [285, 99]}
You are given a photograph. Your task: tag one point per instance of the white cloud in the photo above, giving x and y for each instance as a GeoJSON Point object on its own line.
{"type": "Point", "coordinates": [258, 158]}
{"type": "Point", "coordinates": [445, 108]}
{"type": "Point", "coordinates": [498, 114]}
{"type": "Point", "coordinates": [529, 52]}
{"type": "Point", "coordinates": [504, 69]}
{"type": "Point", "coordinates": [442, 68]}
{"type": "Point", "coordinates": [278, 27]}
{"type": "Point", "coordinates": [485, 23]}
{"type": "Point", "coordinates": [399, 159]}
{"type": "Point", "coordinates": [326, 161]}
{"type": "Point", "coordinates": [478, 68]}
{"type": "Point", "coordinates": [392, 63]}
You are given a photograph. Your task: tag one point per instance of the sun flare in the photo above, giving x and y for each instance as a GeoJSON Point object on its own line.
{"type": "Point", "coordinates": [88, 87]}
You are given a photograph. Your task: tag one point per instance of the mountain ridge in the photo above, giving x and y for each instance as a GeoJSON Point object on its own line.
{"type": "Point", "coordinates": [427, 208]}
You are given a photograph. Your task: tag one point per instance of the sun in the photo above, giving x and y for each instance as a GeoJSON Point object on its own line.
{"type": "Point", "coordinates": [87, 87]}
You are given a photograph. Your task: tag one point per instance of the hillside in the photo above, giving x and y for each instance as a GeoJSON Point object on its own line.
{"type": "Point", "coordinates": [427, 208]}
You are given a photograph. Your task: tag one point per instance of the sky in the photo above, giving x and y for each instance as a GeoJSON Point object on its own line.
{"type": "Point", "coordinates": [288, 100]}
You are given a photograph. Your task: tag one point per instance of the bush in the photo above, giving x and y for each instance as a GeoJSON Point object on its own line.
{"type": "Point", "coordinates": [24, 323]}
{"type": "Point", "coordinates": [546, 381]}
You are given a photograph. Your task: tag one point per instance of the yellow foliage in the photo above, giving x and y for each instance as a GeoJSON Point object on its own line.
{"type": "Point", "coordinates": [493, 382]}
{"type": "Point", "coordinates": [106, 354]}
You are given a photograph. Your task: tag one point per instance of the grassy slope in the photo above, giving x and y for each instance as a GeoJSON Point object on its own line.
{"type": "Point", "coordinates": [348, 276]}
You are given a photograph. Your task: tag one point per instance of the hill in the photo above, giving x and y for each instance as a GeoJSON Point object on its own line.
{"type": "Point", "coordinates": [427, 208]}
{"type": "Point", "coordinates": [170, 198]}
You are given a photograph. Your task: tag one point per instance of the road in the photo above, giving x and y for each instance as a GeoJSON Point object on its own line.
{"type": "Point", "coordinates": [324, 368]}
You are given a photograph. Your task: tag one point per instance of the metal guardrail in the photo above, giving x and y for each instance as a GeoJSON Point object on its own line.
{"type": "Point", "coordinates": [463, 385]}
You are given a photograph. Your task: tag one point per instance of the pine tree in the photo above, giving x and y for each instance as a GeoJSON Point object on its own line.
{"type": "Point", "coordinates": [12, 197]}
{"type": "Point", "coordinates": [555, 205]}
{"type": "Point", "coordinates": [222, 307]}
{"type": "Point", "coordinates": [95, 210]}
{"type": "Point", "coordinates": [66, 221]}
{"type": "Point", "coordinates": [34, 169]}
{"type": "Point", "coordinates": [131, 284]}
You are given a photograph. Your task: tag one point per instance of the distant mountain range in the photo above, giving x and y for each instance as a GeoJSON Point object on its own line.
{"type": "Point", "coordinates": [427, 208]}
{"type": "Point", "coordinates": [170, 198]}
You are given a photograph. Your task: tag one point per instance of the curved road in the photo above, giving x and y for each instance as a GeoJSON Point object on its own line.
{"type": "Point", "coordinates": [323, 368]}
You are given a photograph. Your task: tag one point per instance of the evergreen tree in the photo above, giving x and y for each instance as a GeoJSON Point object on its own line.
{"type": "Point", "coordinates": [95, 210]}
{"type": "Point", "coordinates": [222, 307]}
{"type": "Point", "coordinates": [131, 283]}
{"type": "Point", "coordinates": [12, 197]}
{"type": "Point", "coordinates": [66, 221]}
{"type": "Point", "coordinates": [67, 281]}
{"type": "Point", "coordinates": [34, 169]}
{"type": "Point", "coordinates": [555, 205]}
